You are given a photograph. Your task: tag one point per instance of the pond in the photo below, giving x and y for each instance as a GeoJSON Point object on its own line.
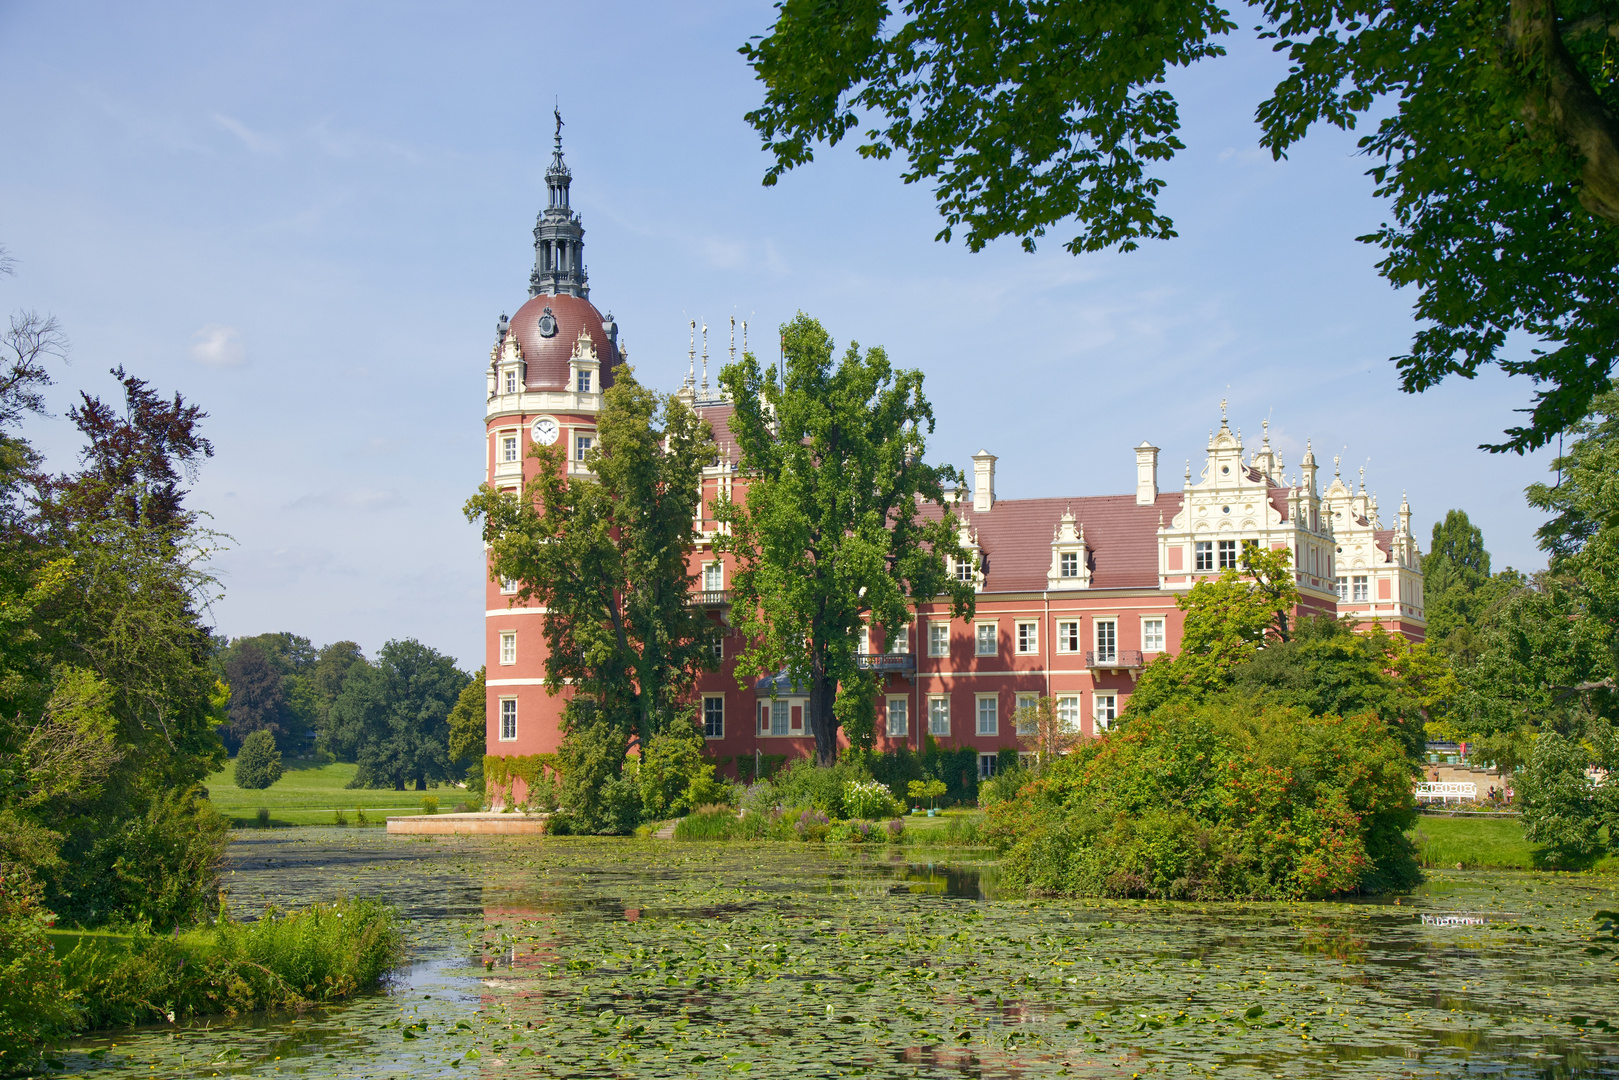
{"type": "Point", "coordinates": [635, 958]}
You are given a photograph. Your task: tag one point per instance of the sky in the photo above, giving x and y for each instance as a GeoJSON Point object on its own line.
{"type": "Point", "coordinates": [307, 218]}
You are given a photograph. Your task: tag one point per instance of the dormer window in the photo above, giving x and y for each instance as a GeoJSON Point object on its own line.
{"type": "Point", "coordinates": [511, 381]}
{"type": "Point", "coordinates": [964, 570]}
{"type": "Point", "coordinates": [584, 382]}
{"type": "Point", "coordinates": [1070, 564]}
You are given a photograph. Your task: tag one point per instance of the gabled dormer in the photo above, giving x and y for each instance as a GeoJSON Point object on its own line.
{"type": "Point", "coordinates": [972, 567]}
{"type": "Point", "coordinates": [584, 368]}
{"type": "Point", "coordinates": [511, 371]}
{"type": "Point", "coordinates": [1070, 556]}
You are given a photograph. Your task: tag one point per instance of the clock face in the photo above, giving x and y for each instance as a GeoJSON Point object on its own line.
{"type": "Point", "coordinates": [545, 431]}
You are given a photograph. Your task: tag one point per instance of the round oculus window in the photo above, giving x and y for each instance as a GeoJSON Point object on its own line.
{"type": "Point", "coordinates": [548, 323]}
{"type": "Point", "coordinates": [1225, 468]}
{"type": "Point", "coordinates": [1225, 509]}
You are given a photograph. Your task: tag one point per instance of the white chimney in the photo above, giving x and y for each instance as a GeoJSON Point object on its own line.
{"type": "Point", "coordinates": [983, 480]}
{"type": "Point", "coordinates": [1146, 474]}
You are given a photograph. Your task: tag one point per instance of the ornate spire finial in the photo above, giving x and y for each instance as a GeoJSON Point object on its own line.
{"type": "Point", "coordinates": [691, 356]}
{"type": "Point", "coordinates": [1265, 424]}
{"type": "Point", "coordinates": [705, 359]}
{"type": "Point", "coordinates": [733, 339]}
{"type": "Point", "coordinates": [744, 337]}
{"type": "Point", "coordinates": [1222, 411]}
{"type": "Point", "coordinates": [1336, 471]}
{"type": "Point", "coordinates": [1363, 479]}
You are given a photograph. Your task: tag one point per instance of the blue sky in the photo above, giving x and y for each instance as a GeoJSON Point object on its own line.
{"type": "Point", "coordinates": [308, 217]}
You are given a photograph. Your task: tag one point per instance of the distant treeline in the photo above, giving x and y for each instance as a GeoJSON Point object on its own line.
{"type": "Point", "coordinates": [390, 716]}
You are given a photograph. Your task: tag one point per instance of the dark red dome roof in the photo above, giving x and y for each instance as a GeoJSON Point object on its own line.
{"type": "Point", "coordinates": [547, 356]}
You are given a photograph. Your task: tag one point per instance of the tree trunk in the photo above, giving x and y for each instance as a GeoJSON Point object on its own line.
{"type": "Point", "coordinates": [823, 722]}
{"type": "Point", "coordinates": [421, 783]}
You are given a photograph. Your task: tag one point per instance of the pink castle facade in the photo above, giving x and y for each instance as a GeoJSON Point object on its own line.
{"type": "Point", "coordinates": [1075, 595]}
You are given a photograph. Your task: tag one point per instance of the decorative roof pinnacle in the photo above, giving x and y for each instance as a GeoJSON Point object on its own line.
{"type": "Point", "coordinates": [705, 359]}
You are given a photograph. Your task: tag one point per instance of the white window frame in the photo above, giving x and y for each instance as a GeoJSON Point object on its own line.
{"type": "Point", "coordinates": [709, 699]}
{"type": "Point", "coordinates": [713, 576]}
{"type": "Point", "coordinates": [511, 447]}
{"type": "Point", "coordinates": [938, 638]}
{"type": "Point", "coordinates": [863, 640]}
{"type": "Point", "coordinates": [993, 701]}
{"type": "Point", "coordinates": [1028, 638]}
{"type": "Point", "coordinates": [1069, 712]}
{"type": "Point", "coordinates": [508, 585]}
{"type": "Point", "coordinates": [986, 765]}
{"type": "Point", "coordinates": [511, 380]}
{"type": "Point", "coordinates": [1068, 564]}
{"type": "Point", "coordinates": [508, 719]}
{"type": "Point", "coordinates": [1104, 710]}
{"type": "Point", "coordinates": [939, 716]}
{"type": "Point", "coordinates": [1158, 634]}
{"type": "Point", "coordinates": [994, 638]}
{"type": "Point", "coordinates": [718, 644]}
{"type": "Point", "coordinates": [1109, 652]}
{"type": "Point", "coordinates": [781, 709]}
{"type": "Point", "coordinates": [1202, 556]}
{"type": "Point", "coordinates": [1068, 636]}
{"type": "Point", "coordinates": [904, 717]}
{"type": "Point", "coordinates": [1027, 701]}
{"type": "Point", "coordinates": [964, 570]}
{"type": "Point", "coordinates": [899, 641]}
{"type": "Point", "coordinates": [1229, 555]}
{"type": "Point", "coordinates": [508, 647]}
{"type": "Point", "coordinates": [1342, 582]}
{"type": "Point", "coordinates": [586, 437]}
{"type": "Point", "coordinates": [582, 381]}
{"type": "Point", "coordinates": [1360, 589]}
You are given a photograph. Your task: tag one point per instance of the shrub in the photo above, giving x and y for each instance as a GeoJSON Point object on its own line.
{"type": "Point", "coordinates": [1560, 802]}
{"type": "Point", "coordinates": [803, 823]}
{"type": "Point", "coordinates": [258, 763]}
{"type": "Point", "coordinates": [718, 823]}
{"type": "Point", "coordinates": [1218, 801]}
{"type": "Point", "coordinates": [805, 784]}
{"type": "Point", "coordinates": [460, 808]}
{"type": "Point", "coordinates": [896, 830]}
{"type": "Point", "coordinates": [340, 818]}
{"type": "Point", "coordinates": [868, 799]}
{"type": "Point", "coordinates": [360, 818]}
{"type": "Point", "coordinates": [262, 816]}
{"type": "Point", "coordinates": [35, 1008]}
{"type": "Point", "coordinates": [1002, 786]}
{"type": "Point", "coordinates": [429, 804]}
{"type": "Point", "coordinates": [161, 865]}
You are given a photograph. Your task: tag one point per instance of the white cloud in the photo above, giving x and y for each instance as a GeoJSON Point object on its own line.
{"type": "Point", "coordinates": [256, 142]}
{"type": "Point", "coordinates": [218, 346]}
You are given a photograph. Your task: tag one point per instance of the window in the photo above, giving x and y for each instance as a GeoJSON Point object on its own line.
{"type": "Point", "coordinates": [863, 645]}
{"type": "Point", "coordinates": [1228, 554]}
{"type": "Point", "coordinates": [899, 725]}
{"type": "Point", "coordinates": [584, 382]}
{"type": "Point", "coordinates": [1152, 635]}
{"type": "Point", "coordinates": [986, 765]}
{"type": "Point", "coordinates": [1204, 555]}
{"type": "Point", "coordinates": [899, 640]}
{"type": "Point", "coordinates": [1068, 637]}
{"type": "Point", "coordinates": [986, 635]}
{"type": "Point", "coordinates": [511, 381]}
{"type": "Point", "coordinates": [1343, 588]}
{"type": "Point", "coordinates": [508, 585]}
{"type": "Point", "coordinates": [1068, 713]}
{"type": "Point", "coordinates": [964, 570]}
{"type": "Point", "coordinates": [989, 715]}
{"type": "Point", "coordinates": [1068, 564]}
{"type": "Point", "coordinates": [938, 716]}
{"type": "Point", "coordinates": [582, 445]}
{"type": "Point", "coordinates": [1362, 590]}
{"type": "Point", "coordinates": [1028, 637]}
{"type": "Point", "coordinates": [939, 639]}
{"type": "Point", "coordinates": [508, 647]}
{"type": "Point", "coordinates": [508, 448]}
{"type": "Point", "coordinates": [1107, 709]}
{"type": "Point", "coordinates": [1107, 641]}
{"type": "Point", "coordinates": [1027, 705]}
{"type": "Point", "coordinates": [778, 717]}
{"type": "Point", "coordinates": [714, 717]}
{"type": "Point", "coordinates": [713, 577]}
{"type": "Point", "coordinates": [508, 719]}
{"type": "Point", "coordinates": [717, 643]}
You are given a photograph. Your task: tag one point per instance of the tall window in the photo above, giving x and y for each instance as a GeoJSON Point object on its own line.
{"type": "Point", "coordinates": [1152, 635]}
{"type": "Point", "coordinates": [1028, 637]}
{"type": "Point", "coordinates": [1343, 588]}
{"type": "Point", "coordinates": [584, 382]}
{"type": "Point", "coordinates": [939, 639]}
{"type": "Point", "coordinates": [582, 445]}
{"type": "Point", "coordinates": [939, 716]}
{"type": "Point", "coordinates": [899, 640]}
{"type": "Point", "coordinates": [508, 647]}
{"type": "Point", "coordinates": [778, 717]}
{"type": "Point", "coordinates": [714, 717]}
{"type": "Point", "coordinates": [508, 719]}
{"type": "Point", "coordinates": [1362, 588]}
{"type": "Point", "coordinates": [511, 381]}
{"type": "Point", "coordinates": [1068, 637]}
{"type": "Point", "coordinates": [1068, 564]}
{"type": "Point", "coordinates": [1228, 554]}
{"type": "Point", "coordinates": [863, 645]}
{"type": "Point", "coordinates": [1068, 713]}
{"type": "Point", "coordinates": [508, 448]}
{"type": "Point", "coordinates": [899, 725]}
{"type": "Point", "coordinates": [1204, 555]}
{"type": "Point", "coordinates": [988, 716]}
{"type": "Point", "coordinates": [986, 634]}
{"type": "Point", "coordinates": [1107, 640]}
{"type": "Point", "coordinates": [1026, 705]}
{"type": "Point", "coordinates": [1107, 710]}
{"type": "Point", "coordinates": [713, 577]}
{"type": "Point", "coordinates": [717, 644]}
{"type": "Point", "coordinates": [986, 765]}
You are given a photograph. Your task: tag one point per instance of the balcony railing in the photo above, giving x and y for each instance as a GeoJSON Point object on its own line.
{"type": "Point", "coordinates": [713, 597]}
{"type": "Point", "coordinates": [898, 663]}
{"type": "Point", "coordinates": [1114, 658]}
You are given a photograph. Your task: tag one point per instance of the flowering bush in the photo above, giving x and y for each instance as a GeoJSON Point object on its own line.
{"type": "Point", "coordinates": [868, 799]}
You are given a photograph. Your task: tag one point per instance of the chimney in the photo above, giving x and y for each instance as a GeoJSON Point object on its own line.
{"type": "Point", "coordinates": [1146, 474]}
{"type": "Point", "coordinates": [983, 481]}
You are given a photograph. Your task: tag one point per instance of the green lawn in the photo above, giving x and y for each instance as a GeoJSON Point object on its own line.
{"type": "Point", "coordinates": [307, 794]}
{"type": "Point", "coordinates": [1495, 843]}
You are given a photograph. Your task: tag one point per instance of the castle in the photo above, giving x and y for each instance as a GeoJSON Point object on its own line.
{"type": "Point", "coordinates": [1075, 595]}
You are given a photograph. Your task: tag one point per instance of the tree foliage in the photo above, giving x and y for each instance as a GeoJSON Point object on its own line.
{"type": "Point", "coordinates": [1495, 143]}
{"type": "Point", "coordinates": [392, 719]}
{"type": "Point", "coordinates": [842, 521]}
{"type": "Point", "coordinates": [258, 762]}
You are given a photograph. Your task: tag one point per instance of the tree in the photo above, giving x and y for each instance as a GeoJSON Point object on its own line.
{"type": "Point", "coordinates": [257, 702]}
{"type": "Point", "coordinates": [258, 763]}
{"type": "Point", "coordinates": [1045, 734]}
{"type": "Point", "coordinates": [469, 720]}
{"type": "Point", "coordinates": [393, 719]}
{"type": "Point", "coordinates": [1497, 145]}
{"type": "Point", "coordinates": [331, 667]}
{"type": "Point", "coordinates": [606, 556]}
{"type": "Point", "coordinates": [842, 519]}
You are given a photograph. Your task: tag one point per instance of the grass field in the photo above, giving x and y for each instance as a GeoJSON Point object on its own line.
{"type": "Point", "coordinates": [308, 794]}
{"type": "Point", "coordinates": [1475, 843]}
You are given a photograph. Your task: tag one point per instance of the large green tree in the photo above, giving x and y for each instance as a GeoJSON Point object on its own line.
{"type": "Point", "coordinates": [1495, 143]}
{"type": "Point", "coordinates": [842, 521]}
{"type": "Point", "coordinates": [607, 557]}
{"type": "Point", "coordinates": [393, 719]}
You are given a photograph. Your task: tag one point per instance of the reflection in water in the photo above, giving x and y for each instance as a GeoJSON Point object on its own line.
{"type": "Point", "coordinates": [542, 957]}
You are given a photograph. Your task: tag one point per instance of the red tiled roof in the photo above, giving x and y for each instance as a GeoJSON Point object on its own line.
{"type": "Point", "coordinates": [719, 418]}
{"type": "Point", "coordinates": [1384, 539]}
{"type": "Point", "coordinates": [546, 358]}
{"type": "Point", "coordinates": [1278, 499]}
{"type": "Point", "coordinates": [1015, 537]}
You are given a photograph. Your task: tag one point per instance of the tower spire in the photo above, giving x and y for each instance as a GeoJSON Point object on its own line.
{"type": "Point", "coordinates": [559, 236]}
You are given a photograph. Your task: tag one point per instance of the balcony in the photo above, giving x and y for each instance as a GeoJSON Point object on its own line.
{"type": "Point", "coordinates": [887, 663]}
{"type": "Point", "coordinates": [1117, 659]}
{"type": "Point", "coordinates": [712, 598]}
